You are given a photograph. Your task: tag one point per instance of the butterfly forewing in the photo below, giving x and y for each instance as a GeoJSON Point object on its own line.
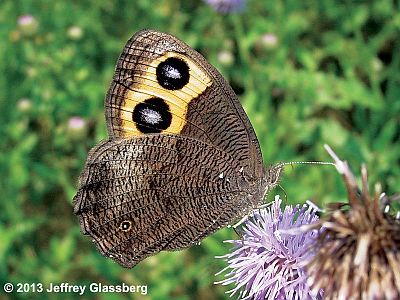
{"type": "Point", "coordinates": [146, 96]}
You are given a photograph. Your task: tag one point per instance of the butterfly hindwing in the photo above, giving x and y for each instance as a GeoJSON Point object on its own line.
{"type": "Point", "coordinates": [148, 193]}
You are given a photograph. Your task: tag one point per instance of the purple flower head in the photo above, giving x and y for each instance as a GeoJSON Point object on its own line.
{"type": "Point", "coordinates": [269, 40]}
{"type": "Point", "coordinates": [76, 123]}
{"type": "Point", "coordinates": [226, 6]}
{"type": "Point", "coordinates": [26, 20]}
{"type": "Point", "coordinates": [77, 128]}
{"type": "Point", "coordinates": [28, 24]}
{"type": "Point", "coordinates": [267, 263]}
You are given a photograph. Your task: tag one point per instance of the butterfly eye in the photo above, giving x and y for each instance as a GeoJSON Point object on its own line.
{"type": "Point", "coordinates": [173, 73]}
{"type": "Point", "coordinates": [125, 225]}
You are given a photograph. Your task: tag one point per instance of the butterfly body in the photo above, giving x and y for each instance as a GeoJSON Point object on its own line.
{"type": "Point", "coordinates": [181, 161]}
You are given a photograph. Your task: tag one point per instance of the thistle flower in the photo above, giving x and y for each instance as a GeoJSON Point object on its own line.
{"type": "Point", "coordinates": [28, 25]}
{"type": "Point", "coordinates": [76, 127]}
{"type": "Point", "coordinates": [226, 6]}
{"type": "Point", "coordinates": [76, 123]}
{"type": "Point", "coordinates": [358, 253]}
{"type": "Point", "coordinates": [269, 40]}
{"type": "Point", "coordinates": [267, 262]}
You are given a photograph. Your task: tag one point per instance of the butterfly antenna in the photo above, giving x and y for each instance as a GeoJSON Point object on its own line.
{"type": "Point", "coordinates": [307, 163]}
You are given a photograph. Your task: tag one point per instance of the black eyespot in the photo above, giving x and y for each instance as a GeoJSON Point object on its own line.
{"type": "Point", "coordinates": [152, 116]}
{"type": "Point", "coordinates": [173, 73]}
{"type": "Point", "coordinates": [125, 225]}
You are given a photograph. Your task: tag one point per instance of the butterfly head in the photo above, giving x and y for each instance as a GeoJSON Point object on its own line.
{"type": "Point", "coordinates": [272, 176]}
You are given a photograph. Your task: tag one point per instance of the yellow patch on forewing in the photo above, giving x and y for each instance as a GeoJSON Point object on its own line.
{"type": "Point", "coordinates": [146, 87]}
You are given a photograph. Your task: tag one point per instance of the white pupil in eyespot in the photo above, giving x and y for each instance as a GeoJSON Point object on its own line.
{"type": "Point", "coordinates": [150, 116]}
{"type": "Point", "coordinates": [171, 72]}
{"type": "Point", "coordinates": [125, 225]}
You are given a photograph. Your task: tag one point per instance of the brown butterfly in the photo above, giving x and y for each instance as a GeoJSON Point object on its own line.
{"type": "Point", "coordinates": [181, 161]}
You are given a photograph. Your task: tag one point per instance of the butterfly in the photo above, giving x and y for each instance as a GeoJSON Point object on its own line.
{"type": "Point", "coordinates": [181, 159]}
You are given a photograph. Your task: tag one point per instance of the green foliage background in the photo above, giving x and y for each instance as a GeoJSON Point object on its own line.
{"type": "Point", "coordinates": [331, 76]}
